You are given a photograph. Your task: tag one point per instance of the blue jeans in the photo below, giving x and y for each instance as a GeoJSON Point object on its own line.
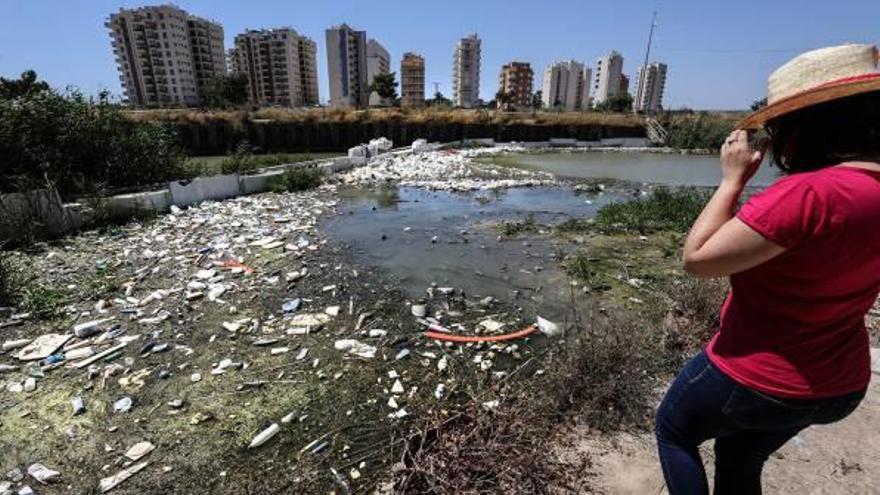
{"type": "Point", "coordinates": [747, 426]}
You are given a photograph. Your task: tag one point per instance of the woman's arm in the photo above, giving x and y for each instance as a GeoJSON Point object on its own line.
{"type": "Point", "coordinates": [720, 244]}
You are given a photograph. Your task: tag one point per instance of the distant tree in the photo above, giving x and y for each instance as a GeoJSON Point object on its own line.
{"type": "Point", "coordinates": [619, 103]}
{"type": "Point", "coordinates": [538, 100]}
{"type": "Point", "coordinates": [384, 85]}
{"type": "Point", "coordinates": [26, 85]}
{"type": "Point", "coordinates": [759, 104]}
{"type": "Point", "coordinates": [225, 91]}
{"type": "Point", "coordinates": [440, 100]}
{"type": "Point", "coordinates": [503, 99]}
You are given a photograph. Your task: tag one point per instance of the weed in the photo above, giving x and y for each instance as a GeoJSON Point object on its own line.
{"type": "Point", "coordinates": [238, 162]}
{"type": "Point", "coordinates": [513, 229]}
{"type": "Point", "coordinates": [664, 209]}
{"type": "Point", "coordinates": [298, 179]}
{"type": "Point", "coordinates": [574, 226]}
{"type": "Point", "coordinates": [580, 266]}
{"type": "Point", "coordinates": [99, 285]}
{"type": "Point", "coordinates": [10, 280]}
{"type": "Point", "coordinates": [40, 301]}
{"type": "Point", "coordinates": [607, 373]}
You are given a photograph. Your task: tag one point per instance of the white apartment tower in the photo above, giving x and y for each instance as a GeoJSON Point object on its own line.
{"type": "Point", "coordinates": [164, 55]}
{"type": "Point", "coordinates": [378, 62]}
{"type": "Point", "coordinates": [651, 84]}
{"type": "Point", "coordinates": [280, 66]}
{"type": "Point", "coordinates": [608, 76]}
{"type": "Point", "coordinates": [567, 86]}
{"type": "Point", "coordinates": [347, 66]}
{"type": "Point", "coordinates": [466, 72]}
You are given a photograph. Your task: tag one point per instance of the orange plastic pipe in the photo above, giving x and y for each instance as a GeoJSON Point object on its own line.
{"type": "Point", "coordinates": [482, 338]}
{"type": "Point", "coordinates": [234, 264]}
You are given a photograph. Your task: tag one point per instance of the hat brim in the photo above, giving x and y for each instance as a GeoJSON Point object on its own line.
{"type": "Point", "coordinates": [813, 96]}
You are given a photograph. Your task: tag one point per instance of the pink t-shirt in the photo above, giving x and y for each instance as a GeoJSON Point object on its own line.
{"type": "Point", "coordinates": [795, 326]}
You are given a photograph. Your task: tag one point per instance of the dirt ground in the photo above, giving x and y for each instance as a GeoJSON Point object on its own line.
{"type": "Point", "coordinates": [833, 459]}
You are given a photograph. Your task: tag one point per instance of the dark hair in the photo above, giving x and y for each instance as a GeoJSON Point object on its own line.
{"type": "Point", "coordinates": [827, 134]}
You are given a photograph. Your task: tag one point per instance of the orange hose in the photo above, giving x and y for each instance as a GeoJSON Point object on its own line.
{"type": "Point", "coordinates": [482, 338]}
{"type": "Point", "coordinates": [229, 263]}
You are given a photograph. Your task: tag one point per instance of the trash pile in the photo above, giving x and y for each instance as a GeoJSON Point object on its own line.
{"type": "Point", "coordinates": [227, 328]}
{"type": "Point", "coordinates": [447, 170]}
{"type": "Point", "coordinates": [168, 276]}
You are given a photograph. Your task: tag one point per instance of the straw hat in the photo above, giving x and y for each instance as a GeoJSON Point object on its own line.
{"type": "Point", "coordinates": [817, 77]}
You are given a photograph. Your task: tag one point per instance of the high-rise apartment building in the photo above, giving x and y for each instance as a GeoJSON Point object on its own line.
{"type": "Point", "coordinates": [378, 62]}
{"type": "Point", "coordinates": [466, 72]}
{"type": "Point", "coordinates": [280, 66]}
{"type": "Point", "coordinates": [567, 86]}
{"type": "Point", "coordinates": [412, 80]}
{"type": "Point", "coordinates": [651, 84]}
{"type": "Point", "coordinates": [516, 80]}
{"type": "Point", "coordinates": [624, 85]}
{"type": "Point", "coordinates": [347, 66]}
{"type": "Point", "coordinates": [308, 70]}
{"type": "Point", "coordinates": [608, 72]}
{"type": "Point", "coordinates": [165, 56]}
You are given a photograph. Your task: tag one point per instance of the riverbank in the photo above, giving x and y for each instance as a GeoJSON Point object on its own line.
{"type": "Point", "coordinates": [240, 314]}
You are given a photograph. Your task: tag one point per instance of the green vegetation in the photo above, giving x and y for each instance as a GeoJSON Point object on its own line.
{"type": "Point", "coordinates": [9, 280]}
{"type": "Point", "coordinates": [513, 229]}
{"type": "Point", "coordinates": [20, 289]}
{"type": "Point", "coordinates": [619, 103]}
{"type": "Point", "coordinates": [298, 179]}
{"type": "Point", "coordinates": [384, 85]}
{"type": "Point", "coordinates": [664, 209]}
{"type": "Point", "coordinates": [247, 162]}
{"type": "Point", "coordinates": [41, 301]}
{"type": "Point", "coordinates": [78, 144]}
{"type": "Point", "coordinates": [699, 131]}
{"type": "Point", "coordinates": [225, 91]}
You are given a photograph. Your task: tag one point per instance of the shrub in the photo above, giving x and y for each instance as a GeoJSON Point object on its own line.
{"type": "Point", "coordinates": [298, 179]}
{"type": "Point", "coordinates": [700, 131]}
{"type": "Point", "coordinates": [80, 145]}
{"type": "Point", "coordinates": [9, 280]}
{"type": "Point", "coordinates": [239, 162]}
{"type": "Point", "coordinates": [664, 209]}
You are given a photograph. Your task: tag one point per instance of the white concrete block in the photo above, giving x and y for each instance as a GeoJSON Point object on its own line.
{"type": "Point", "coordinates": [203, 189]}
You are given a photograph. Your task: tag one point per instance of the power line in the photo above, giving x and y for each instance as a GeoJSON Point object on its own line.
{"type": "Point", "coordinates": [731, 51]}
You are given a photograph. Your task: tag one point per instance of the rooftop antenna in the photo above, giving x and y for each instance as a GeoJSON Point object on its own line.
{"type": "Point", "coordinates": [644, 75]}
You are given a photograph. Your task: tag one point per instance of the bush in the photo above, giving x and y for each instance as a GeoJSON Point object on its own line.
{"type": "Point", "coordinates": [298, 179]}
{"type": "Point", "coordinates": [9, 280]}
{"type": "Point", "coordinates": [701, 131]}
{"type": "Point", "coordinates": [664, 209]}
{"type": "Point", "coordinates": [239, 162]}
{"type": "Point", "coordinates": [80, 145]}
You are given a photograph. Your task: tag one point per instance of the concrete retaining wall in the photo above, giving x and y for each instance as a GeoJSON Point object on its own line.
{"type": "Point", "coordinates": [200, 189]}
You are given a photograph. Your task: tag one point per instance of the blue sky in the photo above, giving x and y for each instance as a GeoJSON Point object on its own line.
{"type": "Point", "coordinates": [719, 53]}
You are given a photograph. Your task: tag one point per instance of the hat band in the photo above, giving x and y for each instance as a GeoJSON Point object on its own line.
{"type": "Point", "coordinates": [836, 82]}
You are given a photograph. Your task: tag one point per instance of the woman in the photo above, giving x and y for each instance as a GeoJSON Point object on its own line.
{"type": "Point", "coordinates": [803, 258]}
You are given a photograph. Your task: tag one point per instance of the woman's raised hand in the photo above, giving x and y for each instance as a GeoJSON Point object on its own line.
{"type": "Point", "coordinates": [739, 161]}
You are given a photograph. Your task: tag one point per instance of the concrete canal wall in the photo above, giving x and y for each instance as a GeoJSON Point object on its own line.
{"type": "Point", "coordinates": [41, 213]}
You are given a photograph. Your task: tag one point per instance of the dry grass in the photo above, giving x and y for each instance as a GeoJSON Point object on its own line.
{"type": "Point", "coordinates": [414, 116]}
{"type": "Point", "coordinates": [604, 375]}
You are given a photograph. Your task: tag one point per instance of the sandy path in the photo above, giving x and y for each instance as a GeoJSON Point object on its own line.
{"type": "Point", "coordinates": [834, 459]}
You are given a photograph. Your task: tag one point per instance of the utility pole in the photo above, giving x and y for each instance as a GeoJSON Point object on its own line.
{"type": "Point", "coordinates": [643, 76]}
